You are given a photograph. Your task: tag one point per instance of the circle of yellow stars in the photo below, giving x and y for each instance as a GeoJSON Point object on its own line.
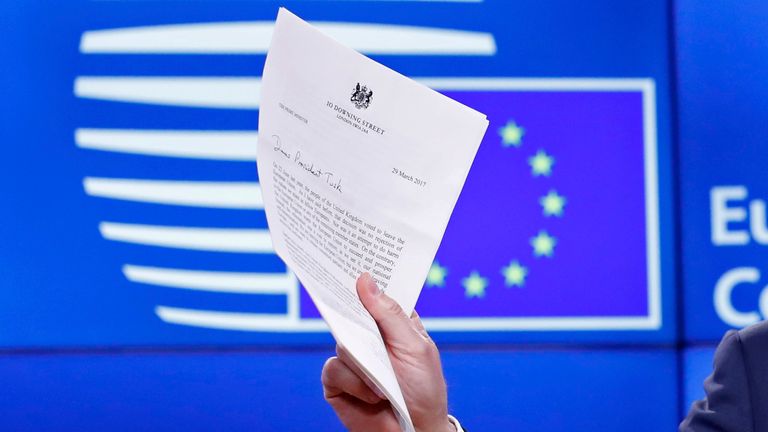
{"type": "Point", "coordinates": [542, 244]}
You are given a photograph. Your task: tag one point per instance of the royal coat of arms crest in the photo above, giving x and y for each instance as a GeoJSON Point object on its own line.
{"type": "Point", "coordinates": [361, 96]}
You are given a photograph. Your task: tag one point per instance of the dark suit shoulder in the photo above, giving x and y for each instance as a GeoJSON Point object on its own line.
{"type": "Point", "coordinates": [727, 406]}
{"type": "Point", "coordinates": [755, 336]}
{"type": "Point", "coordinates": [754, 345]}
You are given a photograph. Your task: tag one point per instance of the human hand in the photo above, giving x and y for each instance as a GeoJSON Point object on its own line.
{"type": "Point", "coordinates": [415, 360]}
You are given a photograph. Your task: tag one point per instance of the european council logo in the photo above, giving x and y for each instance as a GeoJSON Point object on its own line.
{"type": "Point", "coordinates": [556, 229]}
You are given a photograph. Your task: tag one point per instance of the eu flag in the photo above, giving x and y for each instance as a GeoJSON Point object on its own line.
{"type": "Point", "coordinates": [557, 225]}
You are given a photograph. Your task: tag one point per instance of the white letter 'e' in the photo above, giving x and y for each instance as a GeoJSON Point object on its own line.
{"type": "Point", "coordinates": [721, 214]}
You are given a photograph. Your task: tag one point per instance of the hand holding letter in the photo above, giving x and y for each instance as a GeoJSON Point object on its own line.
{"type": "Point", "coordinates": [360, 168]}
{"type": "Point", "coordinates": [416, 362]}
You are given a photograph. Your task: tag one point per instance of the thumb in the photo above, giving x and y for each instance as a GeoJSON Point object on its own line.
{"type": "Point", "coordinates": [396, 328]}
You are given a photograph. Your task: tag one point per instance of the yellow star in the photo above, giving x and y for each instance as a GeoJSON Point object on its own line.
{"type": "Point", "coordinates": [436, 275]}
{"type": "Point", "coordinates": [474, 285]}
{"type": "Point", "coordinates": [514, 274]}
{"type": "Point", "coordinates": [543, 244]}
{"type": "Point", "coordinates": [541, 164]}
{"type": "Point", "coordinates": [511, 134]}
{"type": "Point", "coordinates": [552, 203]}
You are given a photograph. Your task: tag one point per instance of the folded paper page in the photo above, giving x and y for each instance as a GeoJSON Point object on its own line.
{"type": "Point", "coordinates": [360, 169]}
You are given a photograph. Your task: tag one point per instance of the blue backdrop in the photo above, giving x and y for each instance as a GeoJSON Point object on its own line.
{"type": "Point", "coordinates": [129, 302]}
{"type": "Point", "coordinates": [109, 119]}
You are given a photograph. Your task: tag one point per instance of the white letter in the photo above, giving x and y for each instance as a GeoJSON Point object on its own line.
{"type": "Point", "coordinates": [721, 215]}
{"type": "Point", "coordinates": [723, 290]}
{"type": "Point", "coordinates": [757, 221]}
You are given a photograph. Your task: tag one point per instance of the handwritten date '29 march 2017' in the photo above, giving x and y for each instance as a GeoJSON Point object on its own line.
{"type": "Point", "coordinates": [417, 181]}
{"type": "Point", "coordinates": [330, 179]}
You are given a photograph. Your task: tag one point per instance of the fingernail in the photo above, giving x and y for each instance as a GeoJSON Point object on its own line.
{"type": "Point", "coordinates": [370, 284]}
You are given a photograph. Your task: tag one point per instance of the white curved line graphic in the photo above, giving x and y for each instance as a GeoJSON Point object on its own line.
{"type": "Point", "coordinates": [237, 320]}
{"type": "Point", "coordinates": [240, 240]}
{"type": "Point", "coordinates": [193, 144]}
{"type": "Point", "coordinates": [244, 92]}
{"type": "Point", "coordinates": [231, 195]}
{"type": "Point", "coordinates": [218, 281]}
{"type": "Point", "coordinates": [253, 37]}
{"type": "Point", "coordinates": [201, 92]}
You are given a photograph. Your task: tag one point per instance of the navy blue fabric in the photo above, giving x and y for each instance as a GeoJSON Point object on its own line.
{"type": "Point", "coordinates": [737, 391]}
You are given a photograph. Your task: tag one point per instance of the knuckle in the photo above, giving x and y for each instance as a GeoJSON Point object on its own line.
{"type": "Point", "coordinates": [433, 351]}
{"type": "Point", "coordinates": [426, 350]}
{"type": "Point", "coordinates": [423, 350]}
{"type": "Point", "coordinates": [391, 307]}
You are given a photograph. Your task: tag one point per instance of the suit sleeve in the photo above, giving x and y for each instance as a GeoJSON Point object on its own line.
{"type": "Point", "coordinates": [727, 406]}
